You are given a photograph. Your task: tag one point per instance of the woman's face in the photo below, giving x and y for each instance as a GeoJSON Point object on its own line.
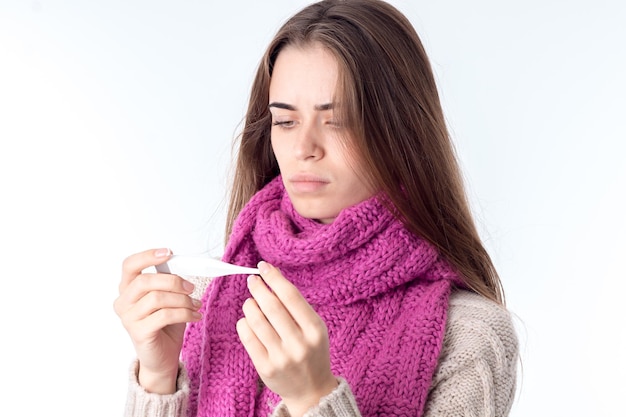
{"type": "Point", "coordinates": [309, 143]}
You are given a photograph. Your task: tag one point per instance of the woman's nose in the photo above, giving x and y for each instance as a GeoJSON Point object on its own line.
{"type": "Point", "coordinates": [308, 142]}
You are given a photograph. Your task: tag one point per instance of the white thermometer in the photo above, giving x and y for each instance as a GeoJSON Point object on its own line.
{"type": "Point", "coordinates": [202, 266]}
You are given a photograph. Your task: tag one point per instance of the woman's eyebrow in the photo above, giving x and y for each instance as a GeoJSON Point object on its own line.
{"type": "Point", "coordinates": [285, 106]}
{"type": "Point", "coordinates": [324, 107]}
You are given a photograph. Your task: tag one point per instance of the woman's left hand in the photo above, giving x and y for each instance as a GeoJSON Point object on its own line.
{"type": "Point", "coordinates": [286, 340]}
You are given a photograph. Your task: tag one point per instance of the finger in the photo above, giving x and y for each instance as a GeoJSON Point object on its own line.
{"type": "Point", "coordinates": [146, 283]}
{"type": "Point", "coordinates": [260, 325]}
{"type": "Point", "coordinates": [159, 320]}
{"type": "Point", "coordinates": [287, 293]}
{"type": "Point", "coordinates": [256, 350]}
{"type": "Point", "coordinates": [135, 264]}
{"type": "Point", "coordinates": [273, 310]}
{"type": "Point", "coordinates": [160, 300]}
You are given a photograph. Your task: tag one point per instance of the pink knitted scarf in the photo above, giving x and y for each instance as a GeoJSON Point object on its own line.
{"type": "Point", "coordinates": [382, 292]}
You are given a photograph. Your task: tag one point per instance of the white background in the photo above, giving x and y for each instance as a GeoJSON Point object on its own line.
{"type": "Point", "coordinates": [116, 121]}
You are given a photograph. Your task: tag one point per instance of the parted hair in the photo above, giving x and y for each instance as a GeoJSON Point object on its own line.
{"type": "Point", "coordinates": [390, 106]}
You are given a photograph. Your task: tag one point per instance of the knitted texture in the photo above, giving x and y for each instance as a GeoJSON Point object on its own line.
{"type": "Point", "coordinates": [382, 292]}
{"type": "Point", "coordinates": [479, 332]}
{"type": "Point", "coordinates": [144, 403]}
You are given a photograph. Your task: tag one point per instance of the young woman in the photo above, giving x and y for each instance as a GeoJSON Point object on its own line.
{"type": "Point", "coordinates": [376, 295]}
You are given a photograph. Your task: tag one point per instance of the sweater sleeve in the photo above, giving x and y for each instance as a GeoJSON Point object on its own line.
{"type": "Point", "coordinates": [339, 403]}
{"type": "Point", "coordinates": [476, 375]}
{"type": "Point", "coordinates": [140, 403]}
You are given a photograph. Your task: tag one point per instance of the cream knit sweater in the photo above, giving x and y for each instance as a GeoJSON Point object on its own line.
{"type": "Point", "coordinates": [476, 375]}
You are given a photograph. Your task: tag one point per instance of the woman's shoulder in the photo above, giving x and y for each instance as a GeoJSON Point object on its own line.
{"type": "Point", "coordinates": [478, 362]}
{"type": "Point", "coordinates": [479, 326]}
{"type": "Point", "coordinates": [469, 307]}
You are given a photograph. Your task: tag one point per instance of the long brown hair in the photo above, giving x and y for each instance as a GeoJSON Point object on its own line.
{"type": "Point", "coordinates": [390, 104]}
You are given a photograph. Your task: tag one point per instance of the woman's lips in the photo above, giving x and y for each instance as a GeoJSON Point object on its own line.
{"type": "Point", "coordinates": [307, 183]}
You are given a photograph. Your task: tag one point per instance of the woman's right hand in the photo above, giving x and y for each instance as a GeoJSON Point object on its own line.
{"type": "Point", "coordinates": [154, 309]}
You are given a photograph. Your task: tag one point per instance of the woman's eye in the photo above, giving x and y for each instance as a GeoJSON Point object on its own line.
{"type": "Point", "coordinates": [334, 123]}
{"type": "Point", "coordinates": [283, 123]}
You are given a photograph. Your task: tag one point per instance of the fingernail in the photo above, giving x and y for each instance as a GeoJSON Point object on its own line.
{"type": "Point", "coordinates": [188, 286]}
{"type": "Point", "coordinates": [196, 303]}
{"type": "Point", "coordinates": [251, 279]}
{"type": "Point", "coordinates": [162, 253]}
{"type": "Point", "coordinates": [263, 267]}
